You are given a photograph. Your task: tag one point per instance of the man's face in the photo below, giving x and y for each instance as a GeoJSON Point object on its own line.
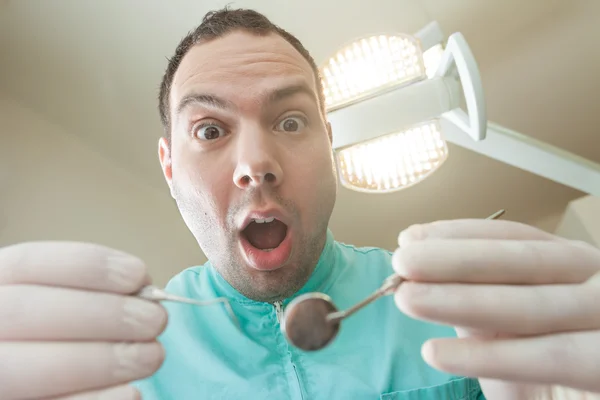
{"type": "Point", "coordinates": [250, 164]}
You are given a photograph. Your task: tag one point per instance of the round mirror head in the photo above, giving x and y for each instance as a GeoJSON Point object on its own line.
{"type": "Point", "coordinates": [305, 323]}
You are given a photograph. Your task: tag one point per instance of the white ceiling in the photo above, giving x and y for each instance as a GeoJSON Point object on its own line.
{"type": "Point", "coordinates": [94, 67]}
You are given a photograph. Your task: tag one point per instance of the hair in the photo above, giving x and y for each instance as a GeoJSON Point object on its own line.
{"type": "Point", "coordinates": [219, 23]}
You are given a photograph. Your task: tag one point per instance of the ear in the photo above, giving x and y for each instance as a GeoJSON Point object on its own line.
{"type": "Point", "coordinates": [164, 155]}
{"type": "Point", "coordinates": [329, 132]}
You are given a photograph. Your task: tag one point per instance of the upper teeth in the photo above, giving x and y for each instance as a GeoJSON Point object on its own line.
{"type": "Point", "coordinates": [262, 221]}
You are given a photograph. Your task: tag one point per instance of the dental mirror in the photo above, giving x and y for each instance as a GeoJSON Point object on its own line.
{"type": "Point", "coordinates": [305, 323]}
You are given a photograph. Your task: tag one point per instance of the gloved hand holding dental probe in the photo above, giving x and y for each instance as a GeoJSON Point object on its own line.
{"type": "Point", "coordinates": [526, 305]}
{"type": "Point", "coordinates": [68, 327]}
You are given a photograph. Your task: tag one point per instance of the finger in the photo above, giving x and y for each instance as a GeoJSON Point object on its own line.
{"type": "Point", "coordinates": [473, 229]}
{"type": "Point", "coordinates": [497, 261]}
{"type": "Point", "coordinates": [123, 392]}
{"type": "Point", "coordinates": [77, 265]}
{"type": "Point", "coordinates": [521, 310]}
{"type": "Point", "coordinates": [566, 359]}
{"type": "Point", "coordinates": [49, 313]}
{"type": "Point", "coordinates": [36, 370]}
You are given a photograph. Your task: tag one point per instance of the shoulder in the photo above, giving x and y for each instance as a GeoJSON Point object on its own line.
{"type": "Point", "coordinates": [189, 280]}
{"type": "Point", "coordinates": [367, 267]}
{"type": "Point", "coordinates": [363, 251]}
{"type": "Point", "coordinates": [355, 255]}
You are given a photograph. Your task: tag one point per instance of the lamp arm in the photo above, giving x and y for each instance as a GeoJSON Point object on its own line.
{"type": "Point", "coordinates": [526, 153]}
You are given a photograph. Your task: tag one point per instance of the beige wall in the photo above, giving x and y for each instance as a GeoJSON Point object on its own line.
{"type": "Point", "coordinates": [581, 220]}
{"type": "Point", "coordinates": [54, 187]}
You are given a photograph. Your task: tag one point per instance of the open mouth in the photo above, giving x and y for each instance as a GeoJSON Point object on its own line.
{"type": "Point", "coordinates": [265, 234]}
{"type": "Point", "coordinates": [266, 243]}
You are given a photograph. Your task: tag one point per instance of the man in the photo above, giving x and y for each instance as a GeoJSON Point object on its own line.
{"type": "Point", "coordinates": [247, 157]}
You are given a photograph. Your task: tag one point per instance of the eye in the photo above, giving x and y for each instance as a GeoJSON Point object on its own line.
{"type": "Point", "coordinates": [291, 124]}
{"type": "Point", "coordinates": [208, 131]}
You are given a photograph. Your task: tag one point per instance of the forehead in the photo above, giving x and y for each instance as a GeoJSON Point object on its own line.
{"type": "Point", "coordinates": [240, 66]}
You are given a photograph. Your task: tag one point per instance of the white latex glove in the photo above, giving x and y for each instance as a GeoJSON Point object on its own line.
{"type": "Point", "coordinates": [67, 326]}
{"type": "Point", "coordinates": [526, 305]}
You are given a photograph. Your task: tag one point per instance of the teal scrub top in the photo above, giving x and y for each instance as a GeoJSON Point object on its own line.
{"type": "Point", "coordinates": [376, 355]}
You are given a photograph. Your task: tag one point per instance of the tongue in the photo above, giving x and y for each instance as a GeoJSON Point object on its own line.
{"type": "Point", "coordinates": [266, 236]}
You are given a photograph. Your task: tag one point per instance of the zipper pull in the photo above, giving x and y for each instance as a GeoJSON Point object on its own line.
{"type": "Point", "coordinates": [278, 310]}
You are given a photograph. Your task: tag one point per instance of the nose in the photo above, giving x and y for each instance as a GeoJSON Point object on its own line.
{"type": "Point", "coordinates": [257, 160]}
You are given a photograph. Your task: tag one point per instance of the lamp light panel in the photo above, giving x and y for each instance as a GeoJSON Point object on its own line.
{"type": "Point", "coordinates": [369, 66]}
{"type": "Point", "coordinates": [394, 161]}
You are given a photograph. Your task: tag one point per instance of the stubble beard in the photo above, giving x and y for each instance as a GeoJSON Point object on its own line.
{"type": "Point", "coordinates": [279, 284]}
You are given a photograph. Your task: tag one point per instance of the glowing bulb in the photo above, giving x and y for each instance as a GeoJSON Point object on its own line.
{"type": "Point", "coordinates": [371, 65]}
{"type": "Point", "coordinates": [393, 162]}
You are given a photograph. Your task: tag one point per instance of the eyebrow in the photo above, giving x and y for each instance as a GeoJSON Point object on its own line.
{"type": "Point", "coordinates": [217, 102]}
{"type": "Point", "coordinates": [209, 100]}
{"type": "Point", "coordinates": [291, 91]}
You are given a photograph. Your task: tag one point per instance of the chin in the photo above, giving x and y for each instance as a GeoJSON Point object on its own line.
{"type": "Point", "coordinates": [273, 285]}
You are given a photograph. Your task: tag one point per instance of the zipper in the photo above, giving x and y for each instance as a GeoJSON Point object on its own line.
{"type": "Point", "coordinates": [278, 310]}
{"type": "Point", "coordinates": [298, 386]}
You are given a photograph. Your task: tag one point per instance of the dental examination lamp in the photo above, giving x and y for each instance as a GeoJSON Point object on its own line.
{"type": "Point", "coordinates": [394, 101]}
